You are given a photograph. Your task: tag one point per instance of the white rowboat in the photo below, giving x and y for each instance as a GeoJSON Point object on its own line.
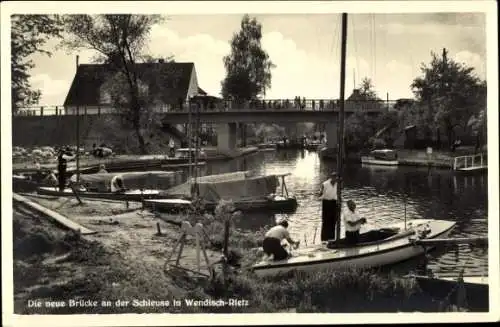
{"type": "Point", "coordinates": [395, 244]}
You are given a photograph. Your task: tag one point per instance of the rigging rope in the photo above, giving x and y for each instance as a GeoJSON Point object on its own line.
{"type": "Point", "coordinates": [334, 44]}
{"type": "Point", "coordinates": [357, 69]}
{"type": "Point", "coordinates": [374, 49]}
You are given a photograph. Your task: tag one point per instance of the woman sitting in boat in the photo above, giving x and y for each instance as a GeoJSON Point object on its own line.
{"type": "Point", "coordinates": [117, 185]}
{"type": "Point", "coordinates": [102, 169]}
{"type": "Point", "coordinates": [352, 223]}
{"type": "Point", "coordinates": [274, 237]}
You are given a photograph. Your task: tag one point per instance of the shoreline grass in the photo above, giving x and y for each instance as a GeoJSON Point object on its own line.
{"type": "Point", "coordinates": [51, 264]}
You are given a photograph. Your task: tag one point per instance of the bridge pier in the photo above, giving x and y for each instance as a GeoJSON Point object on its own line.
{"type": "Point", "coordinates": [331, 135]}
{"type": "Point", "coordinates": [226, 136]}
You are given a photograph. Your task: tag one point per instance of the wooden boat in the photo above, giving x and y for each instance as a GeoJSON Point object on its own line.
{"type": "Point", "coordinates": [381, 157]}
{"type": "Point", "coordinates": [150, 180]}
{"type": "Point", "coordinates": [277, 204]}
{"type": "Point", "coordinates": [475, 290]}
{"type": "Point", "coordinates": [267, 147]}
{"type": "Point", "coordinates": [21, 183]}
{"type": "Point", "coordinates": [313, 146]}
{"type": "Point", "coordinates": [129, 195]}
{"type": "Point", "coordinates": [248, 193]}
{"type": "Point", "coordinates": [377, 247]}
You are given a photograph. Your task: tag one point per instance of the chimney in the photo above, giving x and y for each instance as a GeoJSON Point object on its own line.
{"type": "Point", "coordinates": [161, 61]}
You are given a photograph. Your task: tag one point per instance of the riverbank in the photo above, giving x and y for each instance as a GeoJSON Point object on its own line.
{"type": "Point", "coordinates": [144, 161]}
{"type": "Point", "coordinates": [410, 157]}
{"type": "Point", "coordinates": [124, 260]}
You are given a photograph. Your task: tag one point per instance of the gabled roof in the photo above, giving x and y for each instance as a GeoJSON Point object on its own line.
{"type": "Point", "coordinates": [201, 91]}
{"type": "Point", "coordinates": [357, 96]}
{"type": "Point", "coordinates": [170, 80]}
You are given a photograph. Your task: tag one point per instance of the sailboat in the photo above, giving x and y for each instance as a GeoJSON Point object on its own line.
{"type": "Point", "coordinates": [376, 247]}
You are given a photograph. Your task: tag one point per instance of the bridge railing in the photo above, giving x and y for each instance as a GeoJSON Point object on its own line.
{"type": "Point", "coordinates": [225, 105]}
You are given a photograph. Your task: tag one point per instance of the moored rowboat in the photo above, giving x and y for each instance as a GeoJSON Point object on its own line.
{"type": "Point", "coordinates": [275, 204]}
{"type": "Point", "coordinates": [474, 290]}
{"type": "Point", "coordinates": [377, 247]}
{"type": "Point", "coordinates": [130, 195]}
{"type": "Point", "coordinates": [384, 157]}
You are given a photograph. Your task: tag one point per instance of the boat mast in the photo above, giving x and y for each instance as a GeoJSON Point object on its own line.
{"type": "Point", "coordinates": [77, 130]}
{"type": "Point", "coordinates": [340, 132]}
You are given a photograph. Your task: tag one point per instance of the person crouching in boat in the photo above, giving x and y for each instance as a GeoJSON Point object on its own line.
{"type": "Point", "coordinates": [51, 179]}
{"type": "Point", "coordinates": [329, 213]}
{"type": "Point", "coordinates": [117, 185]}
{"type": "Point", "coordinates": [352, 223]}
{"type": "Point", "coordinates": [274, 237]}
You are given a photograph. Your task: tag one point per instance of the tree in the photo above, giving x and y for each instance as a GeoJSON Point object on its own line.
{"type": "Point", "coordinates": [477, 124]}
{"type": "Point", "coordinates": [29, 33]}
{"type": "Point", "coordinates": [451, 92]}
{"type": "Point", "coordinates": [360, 128]}
{"type": "Point", "coordinates": [248, 67]}
{"type": "Point", "coordinates": [119, 41]}
{"type": "Point", "coordinates": [367, 90]}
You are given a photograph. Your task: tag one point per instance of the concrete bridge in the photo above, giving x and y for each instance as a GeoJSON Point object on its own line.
{"type": "Point", "coordinates": [226, 121]}
{"type": "Point", "coordinates": [226, 117]}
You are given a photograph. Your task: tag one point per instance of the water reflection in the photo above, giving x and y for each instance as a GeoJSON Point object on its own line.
{"type": "Point", "coordinates": [383, 195]}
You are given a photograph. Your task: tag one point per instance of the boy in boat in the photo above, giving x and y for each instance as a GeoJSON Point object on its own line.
{"type": "Point", "coordinates": [352, 223]}
{"type": "Point", "coordinates": [329, 219]}
{"type": "Point", "coordinates": [274, 237]}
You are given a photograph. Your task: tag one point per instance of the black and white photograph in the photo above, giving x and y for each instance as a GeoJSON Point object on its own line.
{"type": "Point", "coordinates": [312, 160]}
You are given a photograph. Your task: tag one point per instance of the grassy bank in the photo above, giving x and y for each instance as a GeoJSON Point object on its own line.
{"type": "Point", "coordinates": [125, 261]}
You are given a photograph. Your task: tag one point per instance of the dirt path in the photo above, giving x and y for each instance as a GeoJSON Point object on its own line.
{"type": "Point", "coordinates": [133, 266]}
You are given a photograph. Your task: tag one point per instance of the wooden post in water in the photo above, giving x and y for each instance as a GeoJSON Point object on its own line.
{"type": "Point", "coordinates": [340, 137]}
{"type": "Point", "coordinates": [226, 238]}
{"type": "Point", "coordinates": [189, 134]}
{"type": "Point", "coordinates": [196, 148]}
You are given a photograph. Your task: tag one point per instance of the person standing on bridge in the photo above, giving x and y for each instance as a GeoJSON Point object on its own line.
{"type": "Point", "coordinates": [329, 214]}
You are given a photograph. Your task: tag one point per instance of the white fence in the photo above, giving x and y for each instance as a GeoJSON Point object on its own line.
{"type": "Point", "coordinates": [470, 162]}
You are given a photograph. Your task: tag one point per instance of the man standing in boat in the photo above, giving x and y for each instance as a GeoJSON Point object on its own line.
{"type": "Point", "coordinates": [329, 215]}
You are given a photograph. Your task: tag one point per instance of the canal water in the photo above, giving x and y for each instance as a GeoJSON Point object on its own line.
{"type": "Point", "coordinates": [383, 195]}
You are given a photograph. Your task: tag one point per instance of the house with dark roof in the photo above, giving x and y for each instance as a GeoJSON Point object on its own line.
{"type": "Point", "coordinates": [171, 84]}
{"type": "Point", "coordinates": [358, 101]}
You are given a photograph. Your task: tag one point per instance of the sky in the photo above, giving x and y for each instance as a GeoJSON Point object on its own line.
{"type": "Point", "coordinates": [387, 48]}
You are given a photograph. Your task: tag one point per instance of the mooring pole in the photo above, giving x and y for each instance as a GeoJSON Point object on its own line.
{"type": "Point", "coordinates": [340, 135]}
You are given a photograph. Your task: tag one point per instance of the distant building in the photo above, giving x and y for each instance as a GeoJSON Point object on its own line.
{"type": "Point", "coordinates": [172, 84]}
{"type": "Point", "coordinates": [358, 101]}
